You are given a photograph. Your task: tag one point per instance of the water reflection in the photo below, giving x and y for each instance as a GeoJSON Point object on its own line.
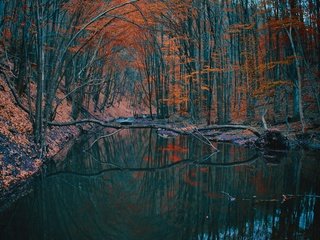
{"type": "Point", "coordinates": [137, 185]}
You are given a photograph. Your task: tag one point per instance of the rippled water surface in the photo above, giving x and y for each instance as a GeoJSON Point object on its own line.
{"type": "Point", "coordinates": [138, 185]}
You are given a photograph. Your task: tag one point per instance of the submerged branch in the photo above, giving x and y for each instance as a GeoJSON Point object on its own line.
{"type": "Point", "coordinates": [205, 141]}
{"type": "Point", "coordinates": [104, 136]}
{"type": "Point", "coordinates": [164, 167]}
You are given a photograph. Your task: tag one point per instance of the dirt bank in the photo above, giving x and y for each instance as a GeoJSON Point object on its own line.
{"type": "Point", "coordinates": [19, 155]}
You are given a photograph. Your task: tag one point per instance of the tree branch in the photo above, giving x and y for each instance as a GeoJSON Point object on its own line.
{"type": "Point", "coordinates": [104, 136]}
{"type": "Point", "coordinates": [14, 94]}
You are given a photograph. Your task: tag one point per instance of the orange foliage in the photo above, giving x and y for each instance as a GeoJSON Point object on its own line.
{"type": "Point", "coordinates": [188, 179]}
{"type": "Point", "coordinates": [215, 195]}
{"type": "Point", "coordinates": [174, 158]}
{"type": "Point", "coordinates": [204, 169]}
{"type": "Point", "coordinates": [14, 123]}
{"type": "Point", "coordinates": [175, 148]}
{"type": "Point", "coordinates": [260, 183]}
{"type": "Point", "coordinates": [7, 34]}
{"type": "Point", "coordinates": [138, 175]}
{"type": "Point", "coordinates": [147, 159]}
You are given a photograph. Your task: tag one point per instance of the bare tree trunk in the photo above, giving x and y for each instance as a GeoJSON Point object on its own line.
{"type": "Point", "coordinates": [38, 128]}
{"type": "Point", "coordinates": [299, 80]}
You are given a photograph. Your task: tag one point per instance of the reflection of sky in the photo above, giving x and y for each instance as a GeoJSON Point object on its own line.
{"type": "Point", "coordinates": [307, 215]}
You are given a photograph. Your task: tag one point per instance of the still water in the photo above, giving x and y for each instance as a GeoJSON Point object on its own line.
{"type": "Point", "coordinates": [138, 185]}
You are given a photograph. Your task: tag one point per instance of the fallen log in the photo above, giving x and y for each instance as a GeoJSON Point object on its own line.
{"type": "Point", "coordinates": [109, 124]}
{"type": "Point", "coordinates": [119, 125]}
{"type": "Point", "coordinates": [255, 131]}
{"type": "Point", "coordinates": [83, 121]}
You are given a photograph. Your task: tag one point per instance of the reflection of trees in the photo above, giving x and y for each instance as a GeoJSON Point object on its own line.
{"type": "Point", "coordinates": [190, 195]}
{"type": "Point", "coordinates": [182, 201]}
{"type": "Point", "coordinates": [219, 217]}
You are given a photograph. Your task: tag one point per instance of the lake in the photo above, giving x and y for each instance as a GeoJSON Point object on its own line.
{"type": "Point", "coordinates": [138, 185]}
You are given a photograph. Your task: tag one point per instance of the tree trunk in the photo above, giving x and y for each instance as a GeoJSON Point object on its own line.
{"type": "Point", "coordinates": [297, 83]}
{"type": "Point", "coordinates": [38, 128]}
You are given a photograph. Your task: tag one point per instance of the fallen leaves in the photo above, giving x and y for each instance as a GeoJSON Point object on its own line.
{"type": "Point", "coordinates": [14, 123]}
{"type": "Point", "coordinates": [18, 170]}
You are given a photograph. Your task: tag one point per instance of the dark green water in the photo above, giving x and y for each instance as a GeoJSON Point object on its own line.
{"type": "Point", "coordinates": [137, 185]}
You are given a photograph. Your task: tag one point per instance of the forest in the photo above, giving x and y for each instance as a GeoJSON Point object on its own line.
{"type": "Point", "coordinates": [69, 67]}
{"type": "Point", "coordinates": [218, 61]}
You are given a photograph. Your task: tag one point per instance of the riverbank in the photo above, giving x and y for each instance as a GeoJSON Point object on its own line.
{"type": "Point", "coordinates": [19, 156]}
{"type": "Point", "coordinates": [280, 136]}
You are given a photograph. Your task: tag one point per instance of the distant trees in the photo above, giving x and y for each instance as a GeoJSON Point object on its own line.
{"type": "Point", "coordinates": [229, 61]}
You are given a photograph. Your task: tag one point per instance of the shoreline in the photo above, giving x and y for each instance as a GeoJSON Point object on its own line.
{"type": "Point", "coordinates": [19, 162]}
{"type": "Point", "coordinates": [62, 139]}
{"type": "Point", "coordinates": [20, 165]}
